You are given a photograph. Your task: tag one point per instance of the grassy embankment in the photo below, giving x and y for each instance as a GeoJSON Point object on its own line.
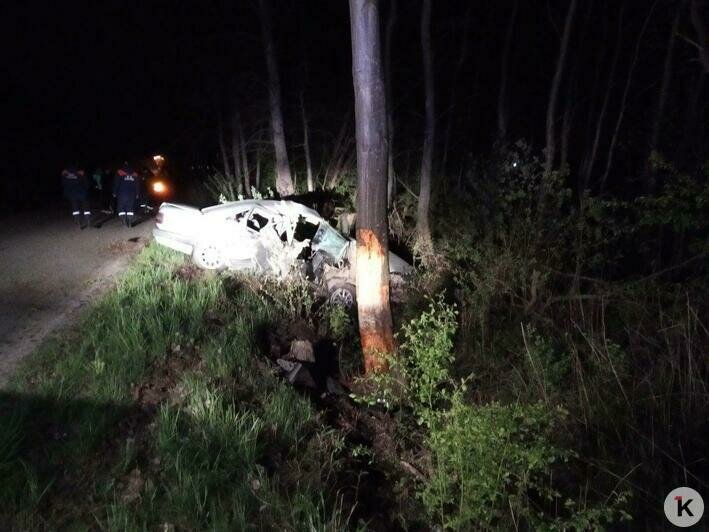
{"type": "Point", "coordinates": [156, 410]}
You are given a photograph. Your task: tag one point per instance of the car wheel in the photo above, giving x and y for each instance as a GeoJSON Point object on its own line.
{"type": "Point", "coordinates": [208, 256]}
{"type": "Point", "coordinates": [343, 295]}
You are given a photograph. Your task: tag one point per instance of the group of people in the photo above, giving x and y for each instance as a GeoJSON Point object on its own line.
{"type": "Point", "coordinates": [126, 193]}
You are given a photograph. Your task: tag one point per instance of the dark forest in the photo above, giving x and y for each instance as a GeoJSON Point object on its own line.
{"type": "Point", "coordinates": [460, 279]}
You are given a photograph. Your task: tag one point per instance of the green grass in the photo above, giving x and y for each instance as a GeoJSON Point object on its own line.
{"type": "Point", "coordinates": [153, 411]}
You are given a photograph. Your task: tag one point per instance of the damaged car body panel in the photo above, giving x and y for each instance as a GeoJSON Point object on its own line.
{"type": "Point", "coordinates": [272, 237]}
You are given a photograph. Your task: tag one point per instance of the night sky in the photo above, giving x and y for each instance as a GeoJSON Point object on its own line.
{"type": "Point", "coordinates": [96, 83]}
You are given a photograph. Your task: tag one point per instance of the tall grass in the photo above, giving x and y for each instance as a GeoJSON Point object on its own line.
{"type": "Point", "coordinates": [84, 443]}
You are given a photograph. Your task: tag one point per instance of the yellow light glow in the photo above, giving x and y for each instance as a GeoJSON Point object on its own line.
{"type": "Point", "coordinates": [159, 187]}
{"type": "Point", "coordinates": [158, 158]}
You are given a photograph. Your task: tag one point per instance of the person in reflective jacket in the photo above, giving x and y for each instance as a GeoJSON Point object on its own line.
{"type": "Point", "coordinates": [76, 190]}
{"type": "Point", "coordinates": [125, 189]}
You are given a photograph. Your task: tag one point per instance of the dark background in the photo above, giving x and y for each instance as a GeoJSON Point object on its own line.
{"type": "Point", "coordinates": [97, 83]}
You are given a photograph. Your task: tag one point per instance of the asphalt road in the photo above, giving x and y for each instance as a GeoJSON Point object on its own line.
{"type": "Point", "coordinates": [49, 271]}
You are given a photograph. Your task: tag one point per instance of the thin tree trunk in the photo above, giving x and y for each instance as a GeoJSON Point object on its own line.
{"type": "Point", "coordinates": [284, 181]}
{"type": "Point", "coordinates": [502, 107]}
{"type": "Point", "coordinates": [306, 146]}
{"type": "Point", "coordinates": [423, 228]}
{"type": "Point", "coordinates": [662, 99]}
{"type": "Point", "coordinates": [236, 152]}
{"type": "Point", "coordinates": [462, 56]}
{"type": "Point", "coordinates": [391, 177]}
{"type": "Point", "coordinates": [566, 129]}
{"type": "Point", "coordinates": [244, 156]}
{"type": "Point", "coordinates": [222, 148]}
{"type": "Point", "coordinates": [628, 82]}
{"type": "Point", "coordinates": [591, 161]}
{"type": "Point", "coordinates": [373, 310]}
{"type": "Point", "coordinates": [554, 92]}
{"type": "Point", "coordinates": [258, 165]}
{"type": "Point", "coordinates": [699, 21]}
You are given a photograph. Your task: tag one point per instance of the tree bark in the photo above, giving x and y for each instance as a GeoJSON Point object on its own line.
{"type": "Point", "coordinates": [391, 177]}
{"type": "Point", "coordinates": [222, 148]}
{"type": "Point", "coordinates": [244, 156]}
{"type": "Point", "coordinates": [236, 152]}
{"type": "Point", "coordinates": [662, 98]}
{"type": "Point", "coordinates": [372, 268]}
{"type": "Point", "coordinates": [423, 228]}
{"type": "Point", "coordinates": [306, 146]}
{"type": "Point", "coordinates": [502, 108]}
{"type": "Point", "coordinates": [550, 154]}
{"type": "Point", "coordinates": [699, 21]}
{"type": "Point", "coordinates": [591, 161]}
{"type": "Point", "coordinates": [626, 90]}
{"type": "Point", "coordinates": [284, 181]}
{"type": "Point", "coordinates": [462, 56]}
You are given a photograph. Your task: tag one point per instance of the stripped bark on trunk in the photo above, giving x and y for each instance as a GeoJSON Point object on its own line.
{"type": "Point", "coordinates": [423, 228]}
{"type": "Point", "coordinates": [284, 181]}
{"type": "Point", "coordinates": [372, 268]}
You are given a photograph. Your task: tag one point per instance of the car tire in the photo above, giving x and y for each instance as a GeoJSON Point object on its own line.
{"type": "Point", "coordinates": [343, 295]}
{"type": "Point", "coordinates": [208, 256]}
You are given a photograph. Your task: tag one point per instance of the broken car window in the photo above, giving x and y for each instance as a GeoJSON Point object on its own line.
{"type": "Point", "coordinates": [330, 242]}
{"type": "Point", "coordinates": [257, 222]}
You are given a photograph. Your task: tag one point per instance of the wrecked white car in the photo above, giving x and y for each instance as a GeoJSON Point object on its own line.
{"type": "Point", "coordinates": [270, 237]}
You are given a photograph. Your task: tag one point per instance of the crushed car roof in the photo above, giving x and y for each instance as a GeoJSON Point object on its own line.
{"type": "Point", "coordinates": [275, 206]}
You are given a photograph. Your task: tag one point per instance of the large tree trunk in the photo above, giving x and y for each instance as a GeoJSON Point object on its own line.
{"type": "Point", "coordinates": [306, 146]}
{"type": "Point", "coordinates": [373, 311]}
{"type": "Point", "coordinates": [391, 177]}
{"type": "Point", "coordinates": [284, 182]}
{"type": "Point", "coordinates": [423, 228]}
{"type": "Point", "coordinates": [236, 152]}
{"type": "Point", "coordinates": [550, 154]}
{"type": "Point", "coordinates": [626, 90]}
{"type": "Point", "coordinates": [662, 99]}
{"type": "Point", "coordinates": [699, 15]}
{"type": "Point", "coordinates": [502, 107]}
{"type": "Point", "coordinates": [591, 160]}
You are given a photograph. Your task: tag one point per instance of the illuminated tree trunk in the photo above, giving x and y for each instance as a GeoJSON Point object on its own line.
{"type": "Point", "coordinates": [373, 311]}
{"type": "Point", "coordinates": [284, 181]}
{"type": "Point", "coordinates": [423, 228]}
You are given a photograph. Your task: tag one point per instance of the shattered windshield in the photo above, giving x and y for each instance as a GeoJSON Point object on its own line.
{"type": "Point", "coordinates": [330, 242]}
